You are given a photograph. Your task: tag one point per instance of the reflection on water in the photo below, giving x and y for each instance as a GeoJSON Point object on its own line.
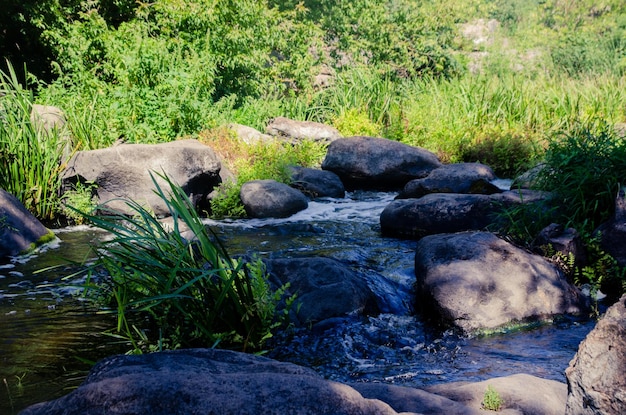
{"type": "Point", "coordinates": [49, 335]}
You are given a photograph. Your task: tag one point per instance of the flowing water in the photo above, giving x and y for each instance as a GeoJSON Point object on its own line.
{"type": "Point", "coordinates": [49, 337]}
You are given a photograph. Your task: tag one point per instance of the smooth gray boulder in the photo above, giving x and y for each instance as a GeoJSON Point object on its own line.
{"type": "Point", "coordinates": [325, 288]}
{"type": "Point", "coordinates": [464, 178]}
{"type": "Point", "coordinates": [377, 163]}
{"type": "Point", "coordinates": [596, 376]}
{"type": "Point", "coordinates": [207, 381]}
{"type": "Point", "coordinates": [20, 230]}
{"type": "Point", "coordinates": [294, 131]}
{"type": "Point", "coordinates": [449, 212]}
{"type": "Point", "coordinates": [476, 281]}
{"type": "Point", "coordinates": [316, 183]}
{"type": "Point", "coordinates": [271, 199]}
{"type": "Point", "coordinates": [522, 394]}
{"type": "Point", "coordinates": [249, 135]}
{"type": "Point", "coordinates": [123, 172]}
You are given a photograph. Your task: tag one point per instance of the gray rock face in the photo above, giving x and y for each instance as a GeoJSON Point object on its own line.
{"type": "Point", "coordinates": [249, 135]}
{"type": "Point", "coordinates": [437, 213]}
{"type": "Point", "coordinates": [477, 281]}
{"type": "Point", "coordinates": [324, 286]}
{"type": "Point", "coordinates": [472, 178]}
{"type": "Point", "coordinates": [271, 199]}
{"type": "Point", "coordinates": [317, 183]}
{"type": "Point", "coordinates": [293, 130]}
{"type": "Point", "coordinates": [377, 163]}
{"type": "Point", "coordinates": [20, 231]}
{"type": "Point", "coordinates": [124, 172]}
{"type": "Point", "coordinates": [522, 394]}
{"type": "Point", "coordinates": [200, 381]}
{"type": "Point", "coordinates": [613, 233]}
{"type": "Point", "coordinates": [596, 377]}
{"type": "Point", "coordinates": [448, 212]}
{"type": "Point", "coordinates": [556, 238]}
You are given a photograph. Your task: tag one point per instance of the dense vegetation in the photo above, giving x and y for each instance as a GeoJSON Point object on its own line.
{"type": "Point", "coordinates": [505, 82]}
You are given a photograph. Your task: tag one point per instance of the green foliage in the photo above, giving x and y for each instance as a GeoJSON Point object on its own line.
{"type": "Point", "coordinates": [263, 161]}
{"type": "Point", "coordinates": [170, 292]}
{"type": "Point", "coordinates": [492, 401]}
{"type": "Point", "coordinates": [602, 272]}
{"type": "Point", "coordinates": [353, 122]}
{"type": "Point", "coordinates": [30, 156]}
{"type": "Point", "coordinates": [584, 167]}
{"type": "Point", "coordinates": [77, 202]}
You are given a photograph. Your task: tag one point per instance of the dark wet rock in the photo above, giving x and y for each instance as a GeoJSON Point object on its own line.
{"type": "Point", "coordinates": [204, 381]}
{"type": "Point", "coordinates": [316, 183]}
{"type": "Point", "coordinates": [123, 172]}
{"type": "Point", "coordinates": [377, 163]}
{"type": "Point", "coordinates": [554, 238]}
{"type": "Point", "coordinates": [522, 394]}
{"type": "Point", "coordinates": [449, 212]}
{"type": "Point", "coordinates": [613, 233]}
{"type": "Point", "coordinates": [437, 213]}
{"type": "Point", "coordinates": [596, 377]}
{"type": "Point", "coordinates": [292, 130]}
{"type": "Point", "coordinates": [325, 288]}
{"type": "Point", "coordinates": [466, 178]}
{"type": "Point", "coordinates": [271, 199]}
{"type": "Point", "coordinates": [20, 230]}
{"type": "Point", "coordinates": [477, 281]}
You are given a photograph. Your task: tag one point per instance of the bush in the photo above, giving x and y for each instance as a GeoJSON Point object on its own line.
{"type": "Point", "coordinates": [30, 156]}
{"type": "Point", "coordinates": [584, 167]}
{"type": "Point", "coordinates": [170, 292]}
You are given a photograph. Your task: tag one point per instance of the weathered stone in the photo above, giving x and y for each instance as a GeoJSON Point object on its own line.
{"type": "Point", "coordinates": [522, 394]}
{"type": "Point", "coordinates": [325, 288]}
{"type": "Point", "coordinates": [613, 232]}
{"type": "Point", "coordinates": [554, 238]}
{"type": "Point", "coordinates": [528, 179]}
{"type": "Point", "coordinates": [123, 172]}
{"type": "Point", "coordinates": [316, 183]}
{"type": "Point", "coordinates": [465, 178]}
{"type": "Point", "coordinates": [477, 281]}
{"type": "Point", "coordinates": [596, 377]}
{"type": "Point", "coordinates": [405, 399]}
{"type": "Point", "coordinates": [203, 381]}
{"type": "Point", "coordinates": [437, 213]}
{"type": "Point", "coordinates": [48, 118]}
{"type": "Point", "coordinates": [271, 199]}
{"type": "Point", "coordinates": [249, 135]}
{"type": "Point", "coordinates": [293, 130]}
{"type": "Point", "coordinates": [377, 163]}
{"type": "Point", "coordinates": [20, 231]}
{"type": "Point", "coordinates": [448, 212]}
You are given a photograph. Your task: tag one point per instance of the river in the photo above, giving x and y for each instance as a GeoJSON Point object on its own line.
{"type": "Point", "coordinates": [50, 337]}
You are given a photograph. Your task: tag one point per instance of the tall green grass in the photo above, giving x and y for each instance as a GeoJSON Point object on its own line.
{"type": "Point", "coordinates": [169, 291]}
{"type": "Point", "coordinates": [30, 156]}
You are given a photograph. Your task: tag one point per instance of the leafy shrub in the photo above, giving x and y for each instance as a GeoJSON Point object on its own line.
{"type": "Point", "coordinates": [78, 201]}
{"type": "Point", "coordinates": [492, 401]}
{"type": "Point", "coordinates": [170, 292]}
{"type": "Point", "coordinates": [584, 167]}
{"type": "Point", "coordinates": [354, 122]}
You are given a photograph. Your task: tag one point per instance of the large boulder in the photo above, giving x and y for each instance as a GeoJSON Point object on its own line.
{"type": "Point", "coordinates": [377, 163]}
{"type": "Point", "coordinates": [472, 178]}
{"type": "Point", "coordinates": [20, 231]}
{"type": "Point", "coordinates": [449, 212]}
{"type": "Point", "coordinates": [613, 232]}
{"type": "Point", "coordinates": [596, 377]}
{"type": "Point", "coordinates": [325, 288]}
{"type": "Point", "coordinates": [294, 131]}
{"type": "Point", "coordinates": [521, 394]}
{"type": "Point", "coordinates": [316, 183]}
{"type": "Point", "coordinates": [124, 172]}
{"type": "Point", "coordinates": [203, 381]}
{"type": "Point", "coordinates": [476, 281]}
{"type": "Point", "coordinates": [271, 199]}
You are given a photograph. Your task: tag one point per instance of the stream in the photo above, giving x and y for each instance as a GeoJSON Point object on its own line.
{"type": "Point", "coordinates": [50, 338]}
